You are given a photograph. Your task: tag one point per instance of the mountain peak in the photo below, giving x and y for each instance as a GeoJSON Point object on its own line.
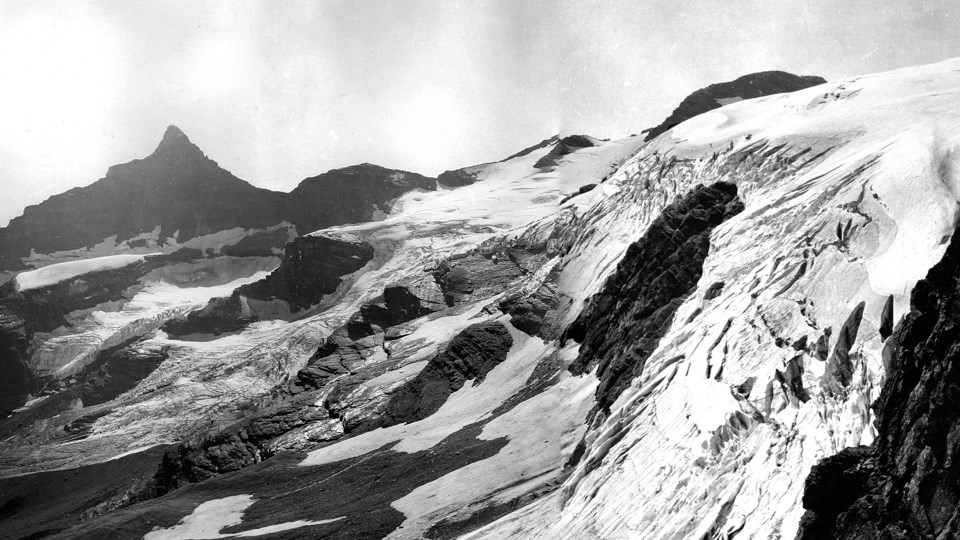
{"type": "Point", "coordinates": [176, 143]}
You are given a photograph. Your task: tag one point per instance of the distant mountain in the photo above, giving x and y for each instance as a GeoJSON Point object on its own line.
{"type": "Point", "coordinates": [349, 195]}
{"type": "Point", "coordinates": [750, 86]}
{"type": "Point", "coordinates": [177, 188]}
{"type": "Point", "coordinates": [187, 195]}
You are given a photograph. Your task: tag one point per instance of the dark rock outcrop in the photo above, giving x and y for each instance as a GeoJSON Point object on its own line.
{"type": "Point", "coordinates": [621, 326]}
{"type": "Point", "coordinates": [713, 291]}
{"type": "Point", "coordinates": [586, 188]}
{"type": "Point", "coordinates": [17, 381]}
{"type": "Point", "coordinates": [536, 314]}
{"type": "Point", "coordinates": [117, 370]}
{"type": "Point", "coordinates": [907, 485]}
{"type": "Point", "coordinates": [460, 177]}
{"type": "Point", "coordinates": [751, 86]}
{"type": "Point", "coordinates": [473, 275]}
{"type": "Point", "coordinates": [542, 144]}
{"type": "Point", "coordinates": [345, 349]}
{"type": "Point", "coordinates": [235, 446]}
{"type": "Point", "coordinates": [258, 245]}
{"type": "Point", "coordinates": [219, 316]}
{"type": "Point", "coordinates": [564, 146]}
{"type": "Point", "coordinates": [312, 267]}
{"type": "Point", "coordinates": [399, 305]}
{"type": "Point", "coordinates": [471, 355]}
{"type": "Point", "coordinates": [349, 195]}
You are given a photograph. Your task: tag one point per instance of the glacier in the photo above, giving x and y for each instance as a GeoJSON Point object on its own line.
{"type": "Point", "coordinates": [850, 195]}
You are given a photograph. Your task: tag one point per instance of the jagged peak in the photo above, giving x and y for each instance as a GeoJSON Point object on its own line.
{"type": "Point", "coordinates": [176, 143]}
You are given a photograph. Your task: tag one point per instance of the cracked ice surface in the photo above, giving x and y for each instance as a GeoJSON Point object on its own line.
{"type": "Point", "coordinates": [877, 152]}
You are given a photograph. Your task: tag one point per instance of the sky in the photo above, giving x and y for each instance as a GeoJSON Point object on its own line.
{"type": "Point", "coordinates": [279, 91]}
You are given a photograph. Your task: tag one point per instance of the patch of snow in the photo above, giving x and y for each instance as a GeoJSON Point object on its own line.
{"type": "Point", "coordinates": [209, 518]}
{"type": "Point", "coordinates": [56, 273]}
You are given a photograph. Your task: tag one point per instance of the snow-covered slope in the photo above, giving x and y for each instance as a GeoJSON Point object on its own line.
{"type": "Point", "coordinates": [851, 194]}
{"type": "Point", "coordinates": [479, 404]}
{"type": "Point", "coordinates": [56, 273]}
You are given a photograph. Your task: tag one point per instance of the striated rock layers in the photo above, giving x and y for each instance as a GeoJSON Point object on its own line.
{"type": "Point", "coordinates": [623, 324]}
{"type": "Point", "coordinates": [751, 86]}
{"type": "Point", "coordinates": [907, 485]}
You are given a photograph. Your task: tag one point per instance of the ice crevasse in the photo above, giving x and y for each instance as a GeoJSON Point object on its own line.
{"type": "Point", "coordinates": [850, 193]}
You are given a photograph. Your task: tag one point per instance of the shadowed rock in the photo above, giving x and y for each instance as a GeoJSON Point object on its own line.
{"type": "Point", "coordinates": [176, 188]}
{"type": "Point", "coordinates": [755, 85]}
{"type": "Point", "coordinates": [312, 267]}
{"type": "Point", "coordinates": [186, 194]}
{"type": "Point", "coordinates": [471, 276]}
{"type": "Point", "coordinates": [470, 355]}
{"type": "Point", "coordinates": [564, 146]}
{"type": "Point", "coordinates": [907, 485]}
{"type": "Point", "coordinates": [352, 194]}
{"type": "Point", "coordinates": [621, 326]}
{"type": "Point", "coordinates": [535, 314]}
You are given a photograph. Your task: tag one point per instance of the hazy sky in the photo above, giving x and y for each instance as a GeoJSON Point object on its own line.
{"type": "Point", "coordinates": [278, 91]}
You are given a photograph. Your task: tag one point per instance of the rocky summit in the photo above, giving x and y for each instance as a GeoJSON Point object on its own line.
{"type": "Point", "coordinates": [738, 324]}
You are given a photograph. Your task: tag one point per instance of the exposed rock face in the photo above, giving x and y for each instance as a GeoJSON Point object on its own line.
{"type": "Point", "coordinates": [399, 306]}
{"type": "Point", "coordinates": [563, 147]}
{"type": "Point", "coordinates": [471, 355]}
{"type": "Point", "coordinates": [458, 177]}
{"type": "Point", "coordinates": [583, 189]}
{"type": "Point", "coordinates": [350, 195]}
{"type": "Point", "coordinates": [118, 370]}
{"type": "Point", "coordinates": [176, 188]}
{"type": "Point", "coordinates": [17, 381]}
{"type": "Point", "coordinates": [186, 194]}
{"type": "Point", "coordinates": [622, 325]}
{"type": "Point", "coordinates": [907, 485]}
{"type": "Point", "coordinates": [751, 86]}
{"type": "Point", "coordinates": [262, 244]}
{"type": "Point", "coordinates": [312, 267]}
{"type": "Point", "coordinates": [344, 350]}
{"type": "Point", "coordinates": [473, 275]}
{"type": "Point", "coordinates": [219, 316]}
{"type": "Point", "coordinates": [534, 314]}
{"type": "Point", "coordinates": [237, 446]}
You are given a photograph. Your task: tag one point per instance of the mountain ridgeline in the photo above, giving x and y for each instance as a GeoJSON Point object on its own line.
{"type": "Point", "coordinates": [750, 86]}
{"type": "Point", "coordinates": [185, 194]}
